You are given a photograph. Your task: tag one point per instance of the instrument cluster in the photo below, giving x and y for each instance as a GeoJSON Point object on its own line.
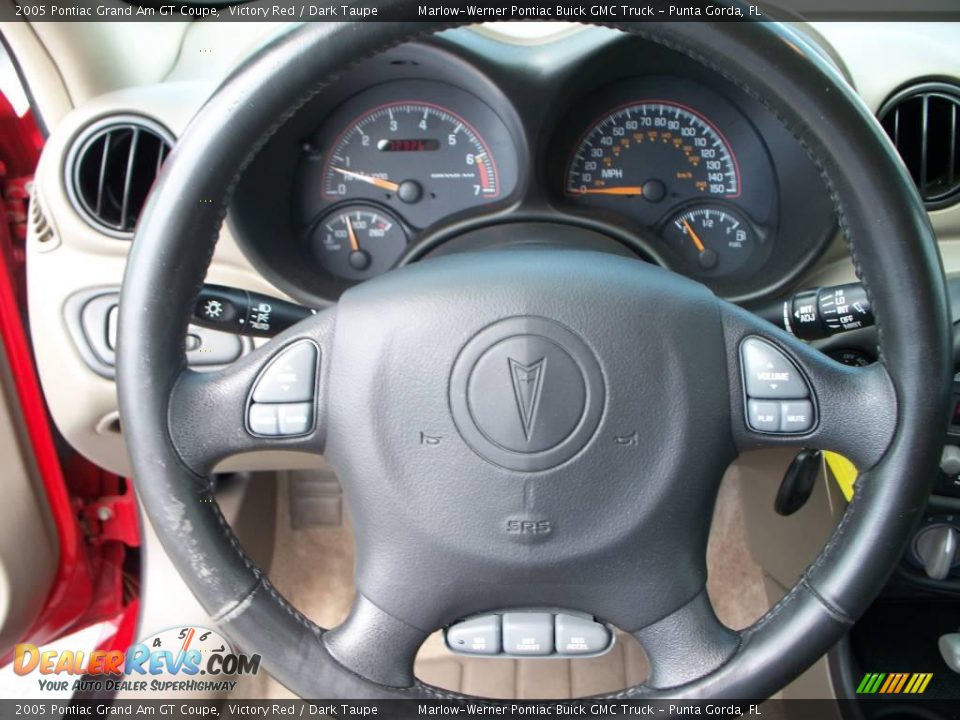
{"type": "Point", "coordinates": [665, 157]}
{"type": "Point", "coordinates": [395, 160]}
{"type": "Point", "coordinates": [432, 141]}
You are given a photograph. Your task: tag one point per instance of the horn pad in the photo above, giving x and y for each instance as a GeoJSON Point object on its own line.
{"type": "Point", "coordinates": [526, 394]}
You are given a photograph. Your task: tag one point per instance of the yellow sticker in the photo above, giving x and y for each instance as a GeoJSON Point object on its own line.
{"type": "Point", "coordinates": [844, 472]}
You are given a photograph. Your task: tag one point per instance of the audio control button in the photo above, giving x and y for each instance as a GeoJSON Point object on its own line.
{"type": "Point", "coordinates": [769, 374]}
{"type": "Point", "coordinates": [796, 417]}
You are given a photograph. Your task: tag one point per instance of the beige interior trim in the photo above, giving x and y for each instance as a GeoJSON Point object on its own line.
{"type": "Point", "coordinates": [88, 60]}
{"type": "Point", "coordinates": [25, 577]}
{"type": "Point", "coordinates": [79, 257]}
{"type": "Point", "coordinates": [47, 88]}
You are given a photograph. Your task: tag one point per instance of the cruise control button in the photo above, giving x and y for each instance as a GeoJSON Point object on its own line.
{"type": "Point", "coordinates": [479, 636]}
{"type": "Point", "coordinates": [796, 417]}
{"type": "Point", "coordinates": [263, 419]}
{"type": "Point", "coordinates": [763, 415]}
{"type": "Point", "coordinates": [295, 418]}
{"type": "Point", "coordinates": [580, 636]}
{"type": "Point", "coordinates": [290, 377]}
{"type": "Point", "coordinates": [768, 372]}
{"type": "Point", "coordinates": [528, 633]}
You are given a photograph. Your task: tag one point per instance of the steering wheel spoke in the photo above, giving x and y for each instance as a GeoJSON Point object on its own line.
{"type": "Point", "coordinates": [687, 644]}
{"type": "Point", "coordinates": [374, 644]}
{"type": "Point", "coordinates": [785, 392]}
{"type": "Point", "coordinates": [271, 399]}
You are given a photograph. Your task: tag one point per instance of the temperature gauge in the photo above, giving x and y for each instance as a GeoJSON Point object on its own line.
{"type": "Point", "coordinates": [715, 239]}
{"type": "Point", "coordinates": [357, 242]}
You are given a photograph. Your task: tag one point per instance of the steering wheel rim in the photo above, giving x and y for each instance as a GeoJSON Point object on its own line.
{"type": "Point", "coordinates": [895, 254]}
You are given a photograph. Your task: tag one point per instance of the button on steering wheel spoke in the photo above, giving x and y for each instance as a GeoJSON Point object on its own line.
{"type": "Point", "coordinates": [270, 399]}
{"type": "Point", "coordinates": [786, 392]}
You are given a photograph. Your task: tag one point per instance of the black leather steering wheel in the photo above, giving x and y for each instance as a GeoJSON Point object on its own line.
{"type": "Point", "coordinates": [628, 347]}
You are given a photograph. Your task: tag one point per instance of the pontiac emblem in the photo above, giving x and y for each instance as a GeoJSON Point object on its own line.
{"type": "Point", "coordinates": [527, 385]}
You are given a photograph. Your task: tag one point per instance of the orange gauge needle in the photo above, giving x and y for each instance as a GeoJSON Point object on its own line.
{"type": "Point", "coordinates": [354, 245]}
{"type": "Point", "coordinates": [610, 191]}
{"type": "Point", "coordinates": [693, 236]}
{"type": "Point", "coordinates": [378, 182]}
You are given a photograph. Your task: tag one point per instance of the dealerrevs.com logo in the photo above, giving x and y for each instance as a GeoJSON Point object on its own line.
{"type": "Point", "coordinates": [184, 659]}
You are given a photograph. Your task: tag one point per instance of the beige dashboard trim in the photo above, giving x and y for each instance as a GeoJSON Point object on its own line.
{"type": "Point", "coordinates": [81, 258]}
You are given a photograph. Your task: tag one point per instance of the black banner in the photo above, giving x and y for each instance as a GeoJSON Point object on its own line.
{"type": "Point", "coordinates": [475, 11]}
{"type": "Point", "coordinates": [897, 707]}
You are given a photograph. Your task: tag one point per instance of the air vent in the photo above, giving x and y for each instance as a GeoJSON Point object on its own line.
{"type": "Point", "coordinates": [39, 226]}
{"type": "Point", "coordinates": [111, 168]}
{"type": "Point", "coordinates": [924, 121]}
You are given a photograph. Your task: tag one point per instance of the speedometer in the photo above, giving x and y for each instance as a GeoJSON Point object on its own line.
{"type": "Point", "coordinates": [653, 150]}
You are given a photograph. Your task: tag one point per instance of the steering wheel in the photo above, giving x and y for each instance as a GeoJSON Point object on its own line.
{"type": "Point", "coordinates": [471, 404]}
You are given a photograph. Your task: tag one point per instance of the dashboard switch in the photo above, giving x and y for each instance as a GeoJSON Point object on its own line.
{"type": "Point", "coordinates": [233, 310]}
{"type": "Point", "coordinates": [479, 636]}
{"type": "Point", "coordinates": [769, 374]}
{"type": "Point", "coordinates": [528, 633]}
{"type": "Point", "coordinates": [576, 635]}
{"type": "Point", "coordinates": [290, 377]}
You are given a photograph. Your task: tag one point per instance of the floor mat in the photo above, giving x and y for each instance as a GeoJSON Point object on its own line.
{"type": "Point", "coordinates": [325, 593]}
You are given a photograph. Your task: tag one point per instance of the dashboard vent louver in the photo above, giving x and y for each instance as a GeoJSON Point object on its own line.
{"type": "Point", "coordinates": [39, 225]}
{"type": "Point", "coordinates": [111, 168]}
{"type": "Point", "coordinates": [924, 123]}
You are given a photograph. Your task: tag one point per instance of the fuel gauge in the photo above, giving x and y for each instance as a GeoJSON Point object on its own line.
{"type": "Point", "coordinates": [357, 242]}
{"type": "Point", "coordinates": [715, 239]}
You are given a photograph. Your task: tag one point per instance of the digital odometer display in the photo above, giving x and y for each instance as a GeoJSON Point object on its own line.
{"type": "Point", "coordinates": [408, 145]}
{"type": "Point", "coordinates": [653, 149]}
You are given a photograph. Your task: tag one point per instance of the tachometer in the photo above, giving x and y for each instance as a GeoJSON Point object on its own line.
{"type": "Point", "coordinates": [415, 152]}
{"type": "Point", "coordinates": [653, 150]}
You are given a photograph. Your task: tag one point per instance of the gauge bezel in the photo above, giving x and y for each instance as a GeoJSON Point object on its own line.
{"type": "Point", "coordinates": [354, 124]}
{"type": "Point", "coordinates": [759, 255]}
{"type": "Point", "coordinates": [541, 103]}
{"type": "Point", "coordinates": [337, 211]}
{"type": "Point", "coordinates": [630, 104]}
{"type": "Point", "coordinates": [487, 126]}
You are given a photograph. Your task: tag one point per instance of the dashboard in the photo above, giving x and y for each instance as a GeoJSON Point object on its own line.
{"type": "Point", "coordinates": [445, 145]}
